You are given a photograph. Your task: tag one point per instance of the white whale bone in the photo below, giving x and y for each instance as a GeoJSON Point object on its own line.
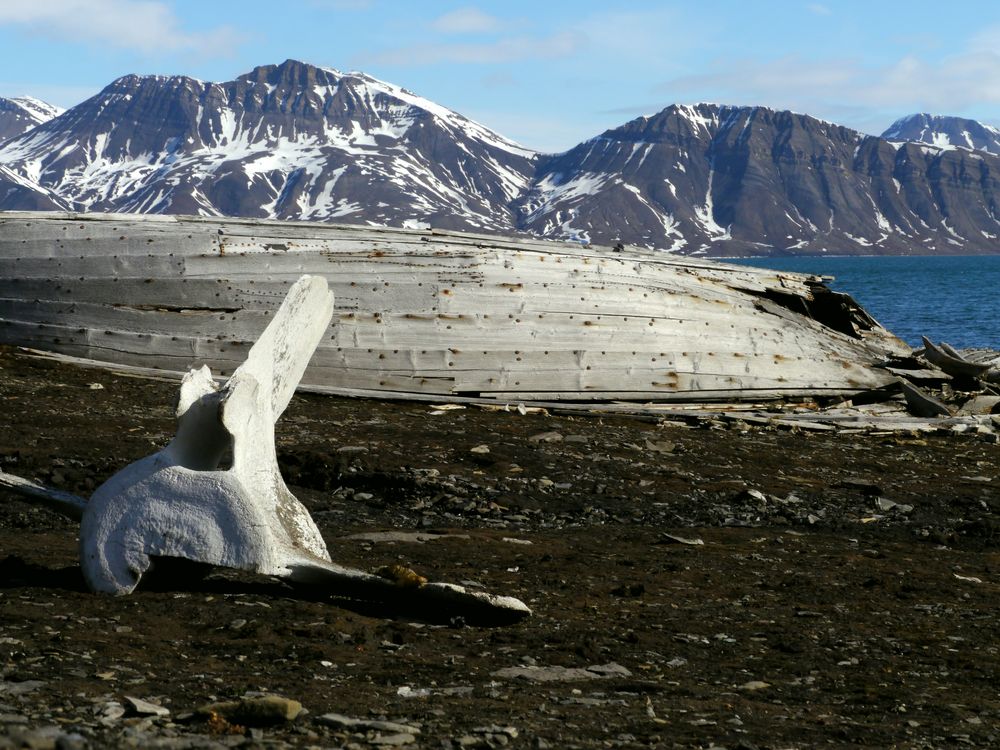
{"type": "Point", "coordinates": [178, 503]}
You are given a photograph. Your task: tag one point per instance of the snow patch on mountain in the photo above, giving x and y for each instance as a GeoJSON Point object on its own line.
{"type": "Point", "coordinates": [38, 110]}
{"type": "Point", "coordinates": [945, 132]}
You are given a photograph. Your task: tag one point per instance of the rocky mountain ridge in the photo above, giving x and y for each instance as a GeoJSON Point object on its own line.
{"type": "Point", "coordinates": [22, 113]}
{"type": "Point", "coordinates": [295, 141]}
{"type": "Point", "coordinates": [945, 132]}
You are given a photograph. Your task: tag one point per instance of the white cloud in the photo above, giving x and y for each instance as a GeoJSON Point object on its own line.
{"type": "Point", "coordinates": [966, 79]}
{"type": "Point", "coordinates": [140, 25]}
{"type": "Point", "coordinates": [605, 39]}
{"type": "Point", "coordinates": [819, 9]}
{"type": "Point", "coordinates": [467, 21]}
{"type": "Point", "coordinates": [505, 50]}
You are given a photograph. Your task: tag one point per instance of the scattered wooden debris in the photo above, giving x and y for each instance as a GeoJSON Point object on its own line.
{"type": "Point", "coordinates": [951, 361]}
{"type": "Point", "coordinates": [921, 403]}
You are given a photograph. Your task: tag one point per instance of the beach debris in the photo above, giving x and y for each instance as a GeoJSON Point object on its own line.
{"type": "Point", "coordinates": [921, 403]}
{"type": "Point", "coordinates": [674, 539]}
{"type": "Point", "coordinates": [983, 404]}
{"type": "Point", "coordinates": [953, 363]}
{"type": "Point", "coordinates": [180, 503]}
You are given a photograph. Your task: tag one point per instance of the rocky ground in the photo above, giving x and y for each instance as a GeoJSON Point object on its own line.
{"type": "Point", "coordinates": [718, 586]}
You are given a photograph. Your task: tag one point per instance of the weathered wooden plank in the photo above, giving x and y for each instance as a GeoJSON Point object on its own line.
{"type": "Point", "coordinates": [72, 267]}
{"type": "Point", "coordinates": [240, 325]}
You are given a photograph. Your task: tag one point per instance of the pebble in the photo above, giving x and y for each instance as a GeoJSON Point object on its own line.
{"type": "Point", "coordinates": [546, 437]}
{"type": "Point", "coordinates": [256, 711]}
{"type": "Point", "coordinates": [145, 708]}
{"type": "Point", "coordinates": [661, 446]}
{"type": "Point", "coordinates": [340, 721]}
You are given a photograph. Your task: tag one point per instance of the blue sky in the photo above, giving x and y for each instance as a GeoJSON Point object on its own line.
{"type": "Point", "coordinates": [547, 73]}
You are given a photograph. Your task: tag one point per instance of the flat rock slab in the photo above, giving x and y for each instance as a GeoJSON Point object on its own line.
{"type": "Point", "coordinates": [562, 674]}
{"type": "Point", "coordinates": [144, 708]}
{"type": "Point", "coordinates": [361, 725]}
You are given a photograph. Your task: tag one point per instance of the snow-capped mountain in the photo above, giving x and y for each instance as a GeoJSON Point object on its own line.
{"type": "Point", "coordinates": [294, 141]}
{"type": "Point", "coordinates": [709, 179]}
{"type": "Point", "coordinates": [22, 113]}
{"type": "Point", "coordinates": [291, 141]}
{"type": "Point", "coordinates": [945, 132]}
{"type": "Point", "coordinates": [27, 195]}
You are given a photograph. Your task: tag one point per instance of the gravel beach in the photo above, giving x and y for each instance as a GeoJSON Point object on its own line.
{"type": "Point", "coordinates": [719, 585]}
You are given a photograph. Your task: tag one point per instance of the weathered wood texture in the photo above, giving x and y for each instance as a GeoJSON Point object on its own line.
{"type": "Point", "coordinates": [430, 312]}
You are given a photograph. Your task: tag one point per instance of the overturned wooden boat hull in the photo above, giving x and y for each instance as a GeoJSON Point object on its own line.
{"type": "Point", "coordinates": [429, 313]}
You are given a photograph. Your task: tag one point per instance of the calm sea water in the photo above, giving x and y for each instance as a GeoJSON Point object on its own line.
{"type": "Point", "coordinates": [955, 299]}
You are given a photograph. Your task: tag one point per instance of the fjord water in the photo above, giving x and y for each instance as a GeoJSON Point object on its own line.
{"type": "Point", "coordinates": [953, 299]}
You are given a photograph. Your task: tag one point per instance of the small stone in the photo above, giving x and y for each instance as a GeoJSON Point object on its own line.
{"type": "Point", "coordinates": [144, 708]}
{"type": "Point", "coordinates": [339, 721]}
{"type": "Point", "coordinates": [480, 449]}
{"type": "Point", "coordinates": [96, 387]}
{"type": "Point", "coordinates": [255, 712]}
{"type": "Point", "coordinates": [111, 712]}
{"type": "Point", "coordinates": [546, 437]}
{"type": "Point", "coordinates": [755, 685]}
{"type": "Point", "coordinates": [609, 670]}
{"type": "Point", "coordinates": [661, 446]}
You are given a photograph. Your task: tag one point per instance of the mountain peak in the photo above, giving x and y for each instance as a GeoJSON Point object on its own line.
{"type": "Point", "coordinates": [945, 132]}
{"type": "Point", "coordinates": [20, 114]}
{"type": "Point", "coordinates": [291, 140]}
